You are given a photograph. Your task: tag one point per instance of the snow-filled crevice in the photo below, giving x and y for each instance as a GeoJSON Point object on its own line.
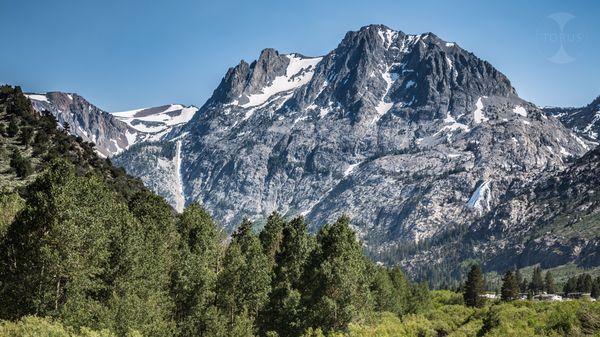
{"type": "Point", "coordinates": [481, 198]}
{"type": "Point", "coordinates": [179, 196]}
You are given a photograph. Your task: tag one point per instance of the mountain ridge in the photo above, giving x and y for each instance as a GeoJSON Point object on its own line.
{"type": "Point", "coordinates": [111, 132]}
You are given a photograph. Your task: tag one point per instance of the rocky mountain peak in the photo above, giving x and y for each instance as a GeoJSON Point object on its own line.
{"type": "Point", "coordinates": [376, 70]}
{"type": "Point", "coordinates": [246, 79]}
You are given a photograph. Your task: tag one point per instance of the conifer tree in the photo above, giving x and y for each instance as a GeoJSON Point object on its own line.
{"type": "Point", "coordinates": [519, 279]}
{"type": "Point", "coordinates": [510, 287]}
{"type": "Point", "coordinates": [285, 313]}
{"type": "Point", "coordinates": [570, 286]}
{"type": "Point", "coordinates": [271, 236]}
{"type": "Point", "coordinates": [56, 255]}
{"type": "Point", "coordinates": [549, 285]}
{"type": "Point", "coordinates": [537, 282]}
{"type": "Point", "coordinates": [474, 287]}
{"type": "Point", "coordinates": [584, 283]}
{"type": "Point", "coordinates": [13, 127]}
{"type": "Point", "coordinates": [596, 288]}
{"type": "Point", "coordinates": [244, 283]}
{"type": "Point", "coordinates": [195, 275]}
{"type": "Point", "coordinates": [339, 284]}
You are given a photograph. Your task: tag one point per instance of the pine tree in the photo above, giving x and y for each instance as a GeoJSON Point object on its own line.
{"type": "Point", "coordinates": [20, 165]}
{"type": "Point", "coordinates": [13, 127]}
{"type": "Point", "coordinates": [537, 282]}
{"type": "Point", "coordinates": [474, 287]}
{"type": "Point", "coordinates": [519, 278]}
{"type": "Point", "coordinates": [285, 313]}
{"type": "Point", "coordinates": [143, 267]}
{"type": "Point", "coordinates": [56, 255]}
{"type": "Point", "coordinates": [584, 283]}
{"type": "Point", "coordinates": [570, 286]}
{"type": "Point", "coordinates": [244, 283]}
{"type": "Point", "coordinates": [510, 287]}
{"type": "Point", "coordinates": [596, 288]}
{"type": "Point", "coordinates": [337, 279]}
{"type": "Point", "coordinates": [195, 275]}
{"type": "Point", "coordinates": [26, 135]}
{"type": "Point", "coordinates": [271, 236]}
{"type": "Point", "coordinates": [549, 285]}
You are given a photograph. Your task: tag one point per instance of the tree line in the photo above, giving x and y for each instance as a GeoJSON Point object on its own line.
{"type": "Point", "coordinates": [514, 284]}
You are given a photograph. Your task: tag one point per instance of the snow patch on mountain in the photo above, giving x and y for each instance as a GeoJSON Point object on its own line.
{"type": "Point", "coordinates": [480, 200]}
{"type": "Point", "coordinates": [519, 110]}
{"type": "Point", "coordinates": [478, 115]}
{"type": "Point", "coordinates": [38, 97]}
{"type": "Point", "coordinates": [299, 71]}
{"type": "Point", "coordinates": [154, 120]}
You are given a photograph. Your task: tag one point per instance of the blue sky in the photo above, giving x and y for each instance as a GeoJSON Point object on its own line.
{"type": "Point", "coordinates": [130, 54]}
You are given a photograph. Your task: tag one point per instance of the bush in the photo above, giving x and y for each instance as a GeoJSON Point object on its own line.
{"type": "Point", "coordinates": [26, 135]}
{"type": "Point", "coordinates": [13, 128]}
{"type": "Point", "coordinates": [20, 165]}
{"type": "Point", "coordinates": [41, 327]}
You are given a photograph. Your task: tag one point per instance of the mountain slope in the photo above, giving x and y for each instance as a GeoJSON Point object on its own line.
{"type": "Point", "coordinates": [584, 121]}
{"type": "Point", "coordinates": [409, 135]}
{"type": "Point", "coordinates": [552, 221]}
{"type": "Point", "coordinates": [111, 132]}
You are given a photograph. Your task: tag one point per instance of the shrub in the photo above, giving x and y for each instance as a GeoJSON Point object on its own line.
{"type": "Point", "coordinates": [20, 165]}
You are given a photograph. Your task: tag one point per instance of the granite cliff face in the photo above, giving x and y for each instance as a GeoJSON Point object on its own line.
{"type": "Point", "coordinates": [409, 135]}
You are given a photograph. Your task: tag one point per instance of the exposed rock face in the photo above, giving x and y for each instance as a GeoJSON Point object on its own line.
{"type": "Point", "coordinates": [158, 166]}
{"type": "Point", "coordinates": [397, 131]}
{"type": "Point", "coordinates": [85, 120]}
{"type": "Point", "coordinates": [584, 121]}
{"type": "Point", "coordinates": [552, 221]}
{"type": "Point", "coordinates": [111, 132]}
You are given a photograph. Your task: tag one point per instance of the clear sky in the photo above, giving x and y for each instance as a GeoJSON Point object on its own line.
{"type": "Point", "coordinates": [124, 54]}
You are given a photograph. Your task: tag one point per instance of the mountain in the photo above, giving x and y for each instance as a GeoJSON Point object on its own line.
{"type": "Point", "coordinates": [585, 121]}
{"type": "Point", "coordinates": [111, 132]}
{"type": "Point", "coordinates": [411, 136]}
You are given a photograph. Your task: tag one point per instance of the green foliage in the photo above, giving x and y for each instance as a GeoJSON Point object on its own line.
{"type": "Point", "coordinates": [474, 287]}
{"type": "Point", "coordinates": [271, 236]}
{"type": "Point", "coordinates": [20, 165]}
{"type": "Point", "coordinates": [195, 273]}
{"type": "Point", "coordinates": [10, 205]}
{"type": "Point", "coordinates": [584, 283]}
{"type": "Point", "coordinates": [285, 313]}
{"type": "Point", "coordinates": [339, 286]}
{"type": "Point", "coordinates": [537, 282]}
{"type": "Point", "coordinates": [549, 285]}
{"type": "Point", "coordinates": [510, 287]}
{"type": "Point", "coordinates": [508, 319]}
{"type": "Point", "coordinates": [13, 127]}
{"type": "Point", "coordinates": [245, 279]}
{"type": "Point", "coordinates": [40, 327]}
{"type": "Point", "coordinates": [26, 135]}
